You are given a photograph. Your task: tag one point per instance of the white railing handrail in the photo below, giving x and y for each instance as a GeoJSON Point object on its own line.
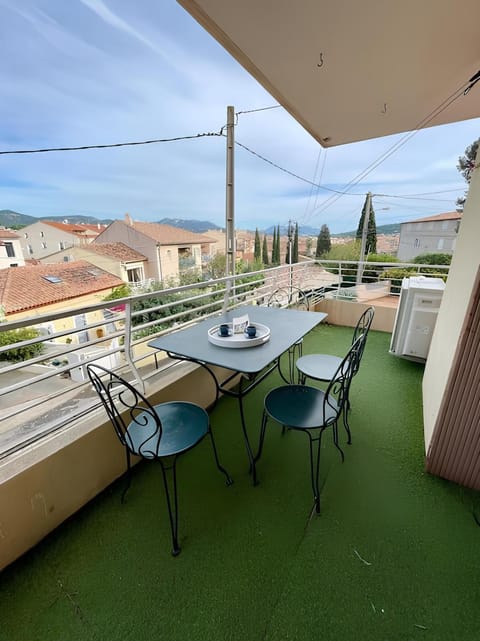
{"type": "Point", "coordinates": [119, 331]}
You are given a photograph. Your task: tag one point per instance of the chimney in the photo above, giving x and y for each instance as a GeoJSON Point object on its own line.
{"type": "Point", "coordinates": [128, 220]}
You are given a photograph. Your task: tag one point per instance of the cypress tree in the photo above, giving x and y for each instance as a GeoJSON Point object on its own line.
{"type": "Point", "coordinates": [265, 260]}
{"type": "Point", "coordinates": [323, 242]}
{"type": "Point", "coordinates": [295, 245]}
{"type": "Point", "coordinates": [371, 244]}
{"type": "Point", "coordinates": [257, 254]}
{"type": "Point", "coordinates": [277, 249]}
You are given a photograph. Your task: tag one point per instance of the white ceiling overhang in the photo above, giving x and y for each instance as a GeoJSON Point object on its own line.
{"type": "Point", "coordinates": [352, 70]}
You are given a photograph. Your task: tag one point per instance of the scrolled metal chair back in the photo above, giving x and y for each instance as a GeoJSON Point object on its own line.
{"type": "Point", "coordinates": [361, 329]}
{"type": "Point", "coordinates": [126, 406]}
{"type": "Point", "coordinates": [289, 297]}
{"type": "Point", "coordinates": [336, 394]}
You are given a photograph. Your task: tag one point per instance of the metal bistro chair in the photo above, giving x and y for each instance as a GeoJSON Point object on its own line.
{"type": "Point", "coordinates": [310, 410]}
{"type": "Point", "coordinates": [288, 297]}
{"type": "Point", "coordinates": [322, 367]}
{"type": "Point", "coordinates": [162, 432]}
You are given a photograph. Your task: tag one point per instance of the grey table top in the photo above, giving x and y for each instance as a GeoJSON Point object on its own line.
{"type": "Point", "coordinates": [287, 326]}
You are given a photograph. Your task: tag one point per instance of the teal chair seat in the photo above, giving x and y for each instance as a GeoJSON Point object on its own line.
{"type": "Point", "coordinates": [183, 426]}
{"type": "Point", "coordinates": [322, 367]}
{"type": "Point", "coordinates": [311, 411]}
{"type": "Point", "coordinates": [162, 432]}
{"type": "Point", "coordinates": [301, 407]}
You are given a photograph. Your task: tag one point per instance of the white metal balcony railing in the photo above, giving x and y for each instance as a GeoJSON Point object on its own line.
{"type": "Point", "coordinates": [48, 390]}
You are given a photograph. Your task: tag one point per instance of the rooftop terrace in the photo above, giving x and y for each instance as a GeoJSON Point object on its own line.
{"type": "Point", "coordinates": [394, 554]}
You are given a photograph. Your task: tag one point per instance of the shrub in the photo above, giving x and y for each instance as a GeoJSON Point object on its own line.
{"type": "Point", "coordinates": [382, 258]}
{"type": "Point", "coordinates": [396, 275]}
{"type": "Point", "coordinates": [433, 259]}
{"type": "Point", "coordinates": [24, 353]}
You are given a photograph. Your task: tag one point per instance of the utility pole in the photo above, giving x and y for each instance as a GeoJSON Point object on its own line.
{"type": "Point", "coordinates": [366, 220]}
{"type": "Point", "coordinates": [290, 240]}
{"type": "Point", "coordinates": [230, 204]}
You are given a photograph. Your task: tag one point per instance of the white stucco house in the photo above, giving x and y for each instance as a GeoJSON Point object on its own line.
{"type": "Point", "coordinates": [47, 237]}
{"type": "Point", "coordinates": [169, 250]}
{"type": "Point", "coordinates": [11, 253]}
{"type": "Point", "coordinates": [433, 234]}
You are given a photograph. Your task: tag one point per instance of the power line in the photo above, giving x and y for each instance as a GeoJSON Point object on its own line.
{"type": "Point", "coordinates": [436, 200]}
{"type": "Point", "coordinates": [461, 91]}
{"type": "Point", "coordinates": [108, 146]}
{"type": "Point", "coordinates": [253, 111]}
{"type": "Point", "coordinates": [291, 173]}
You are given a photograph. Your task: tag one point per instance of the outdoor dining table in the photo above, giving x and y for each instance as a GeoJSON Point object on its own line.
{"type": "Point", "coordinates": [253, 361]}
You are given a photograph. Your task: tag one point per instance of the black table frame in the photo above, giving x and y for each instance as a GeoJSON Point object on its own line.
{"type": "Point", "coordinates": [252, 364]}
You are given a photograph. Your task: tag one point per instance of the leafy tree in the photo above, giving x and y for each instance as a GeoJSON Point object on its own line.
{"type": "Point", "coordinates": [257, 252]}
{"type": "Point", "coordinates": [122, 291]}
{"type": "Point", "coordinates": [265, 260]}
{"type": "Point", "coordinates": [217, 266]}
{"type": "Point", "coordinates": [465, 166]}
{"type": "Point", "coordinates": [433, 259]}
{"type": "Point", "coordinates": [346, 251]}
{"type": "Point", "coordinates": [324, 242]}
{"type": "Point", "coordinates": [24, 353]}
{"type": "Point", "coordinates": [371, 244]}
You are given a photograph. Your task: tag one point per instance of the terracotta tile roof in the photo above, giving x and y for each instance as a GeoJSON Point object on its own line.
{"type": "Point", "coordinates": [8, 233]}
{"type": "Point", "coordinates": [118, 250]}
{"type": "Point", "coordinates": [169, 235]}
{"type": "Point", "coordinates": [451, 215]}
{"type": "Point", "coordinates": [23, 288]}
{"type": "Point", "coordinates": [72, 228]}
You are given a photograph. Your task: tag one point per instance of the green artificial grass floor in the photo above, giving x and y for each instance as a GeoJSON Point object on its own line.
{"type": "Point", "coordinates": [393, 556]}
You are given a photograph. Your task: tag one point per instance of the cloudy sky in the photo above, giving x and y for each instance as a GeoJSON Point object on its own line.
{"type": "Point", "coordinates": [92, 72]}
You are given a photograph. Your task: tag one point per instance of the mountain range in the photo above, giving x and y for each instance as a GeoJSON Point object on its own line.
{"type": "Point", "coordinates": [15, 220]}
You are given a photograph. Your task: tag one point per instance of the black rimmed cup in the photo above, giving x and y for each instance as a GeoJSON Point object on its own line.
{"type": "Point", "coordinates": [251, 331]}
{"type": "Point", "coordinates": [224, 330]}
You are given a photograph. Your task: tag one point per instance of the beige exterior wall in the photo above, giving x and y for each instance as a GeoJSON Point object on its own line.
{"type": "Point", "coordinates": [69, 323]}
{"type": "Point", "coordinates": [108, 264]}
{"type": "Point", "coordinates": [9, 261]}
{"type": "Point", "coordinates": [120, 232]}
{"type": "Point", "coordinates": [346, 313]}
{"type": "Point", "coordinates": [170, 259]}
{"type": "Point", "coordinates": [44, 240]}
{"type": "Point", "coordinates": [429, 236]}
{"type": "Point", "coordinates": [43, 486]}
{"type": "Point", "coordinates": [455, 300]}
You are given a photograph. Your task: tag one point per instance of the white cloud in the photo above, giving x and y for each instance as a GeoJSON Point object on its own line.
{"type": "Point", "coordinates": [92, 73]}
{"type": "Point", "coordinates": [110, 18]}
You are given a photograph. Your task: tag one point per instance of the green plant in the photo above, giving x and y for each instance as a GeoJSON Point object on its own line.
{"type": "Point", "coordinates": [122, 291]}
{"type": "Point", "coordinates": [396, 275]}
{"type": "Point", "coordinates": [433, 259]}
{"type": "Point", "coordinates": [23, 353]}
{"type": "Point", "coordinates": [382, 258]}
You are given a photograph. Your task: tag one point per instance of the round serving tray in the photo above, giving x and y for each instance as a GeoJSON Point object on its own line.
{"type": "Point", "coordinates": [239, 340]}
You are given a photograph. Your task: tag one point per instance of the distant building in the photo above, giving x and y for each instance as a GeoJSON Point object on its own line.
{"type": "Point", "coordinates": [429, 235]}
{"type": "Point", "coordinates": [11, 253]}
{"type": "Point", "coordinates": [116, 258]}
{"type": "Point", "coordinates": [387, 243]}
{"type": "Point", "coordinates": [48, 237]}
{"type": "Point", "coordinates": [44, 289]}
{"type": "Point", "coordinates": [169, 250]}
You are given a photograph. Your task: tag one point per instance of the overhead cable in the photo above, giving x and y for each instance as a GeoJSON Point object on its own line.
{"type": "Point", "coordinates": [117, 144]}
